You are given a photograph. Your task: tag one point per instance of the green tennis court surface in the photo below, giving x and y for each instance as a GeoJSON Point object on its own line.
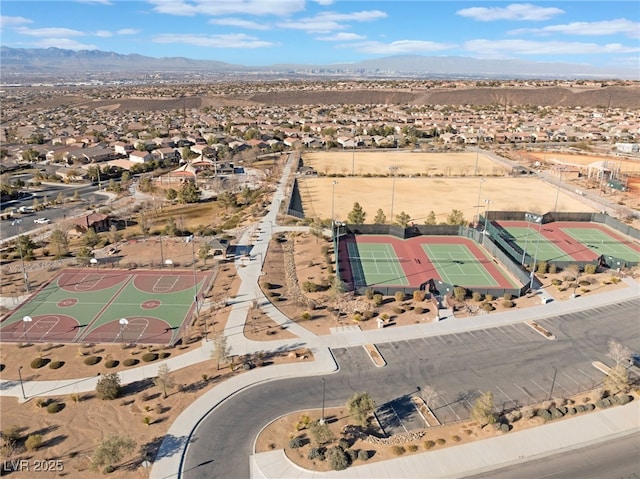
{"type": "Point", "coordinates": [602, 243]}
{"type": "Point", "coordinates": [536, 245]}
{"type": "Point", "coordinates": [375, 264]}
{"type": "Point", "coordinates": [456, 264]}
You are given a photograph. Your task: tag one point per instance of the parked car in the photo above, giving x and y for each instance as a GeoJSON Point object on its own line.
{"type": "Point", "coordinates": [42, 221]}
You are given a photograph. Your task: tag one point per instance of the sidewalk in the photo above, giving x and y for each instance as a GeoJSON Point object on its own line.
{"type": "Point", "coordinates": [475, 457]}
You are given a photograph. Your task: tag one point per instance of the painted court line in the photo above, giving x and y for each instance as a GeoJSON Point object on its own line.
{"type": "Point", "coordinates": [160, 288]}
{"type": "Point", "coordinates": [86, 284]}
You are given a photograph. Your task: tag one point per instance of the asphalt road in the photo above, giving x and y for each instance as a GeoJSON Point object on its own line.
{"type": "Point", "coordinates": [614, 459]}
{"type": "Point", "coordinates": [516, 364]}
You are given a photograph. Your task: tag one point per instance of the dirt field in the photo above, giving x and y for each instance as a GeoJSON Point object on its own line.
{"type": "Point", "coordinates": [418, 196]}
{"type": "Point", "coordinates": [626, 166]}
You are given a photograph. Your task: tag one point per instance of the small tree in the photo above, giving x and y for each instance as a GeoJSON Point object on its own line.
{"type": "Point", "coordinates": [618, 352]}
{"type": "Point", "coordinates": [111, 450]}
{"type": "Point", "coordinates": [360, 405]}
{"type": "Point", "coordinates": [108, 386]}
{"type": "Point", "coordinates": [403, 219]}
{"type": "Point", "coordinates": [164, 380]}
{"type": "Point", "coordinates": [91, 238]}
{"type": "Point", "coordinates": [356, 215]}
{"type": "Point", "coordinates": [459, 293]}
{"type": "Point", "coordinates": [431, 218]}
{"type": "Point", "coordinates": [203, 252]}
{"type": "Point", "coordinates": [220, 349]}
{"type": "Point", "coordinates": [429, 394]}
{"type": "Point", "coordinates": [321, 433]}
{"type": "Point", "coordinates": [172, 194]}
{"type": "Point", "coordinates": [617, 380]}
{"type": "Point", "coordinates": [482, 410]}
{"type": "Point", "coordinates": [60, 241]}
{"type": "Point", "coordinates": [114, 234]}
{"type": "Point", "coordinates": [456, 217]}
{"type": "Point", "coordinates": [380, 217]}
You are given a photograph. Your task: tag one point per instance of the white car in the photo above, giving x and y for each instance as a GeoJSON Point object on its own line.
{"type": "Point", "coordinates": [42, 221]}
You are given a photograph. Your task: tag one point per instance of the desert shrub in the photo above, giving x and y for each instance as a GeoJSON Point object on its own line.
{"type": "Point", "coordinates": [419, 295]}
{"type": "Point", "coordinates": [296, 442]}
{"type": "Point", "coordinates": [357, 317]}
{"type": "Point", "coordinates": [306, 316]}
{"type": "Point", "coordinates": [343, 444]}
{"type": "Point", "coordinates": [149, 357]}
{"type": "Point", "coordinates": [111, 363]}
{"type": "Point", "coordinates": [412, 448]}
{"type": "Point", "coordinates": [56, 364]}
{"type": "Point", "coordinates": [369, 293]}
{"type": "Point", "coordinates": [352, 454]}
{"type": "Point", "coordinates": [580, 408]}
{"type": "Point", "coordinates": [487, 307]}
{"type": "Point", "coordinates": [544, 414]}
{"type": "Point", "coordinates": [507, 303]}
{"type": "Point", "coordinates": [589, 407]}
{"type": "Point", "coordinates": [146, 420]}
{"type": "Point", "coordinates": [542, 267]}
{"type": "Point", "coordinates": [377, 299]}
{"type": "Point", "coordinates": [398, 450]}
{"type": "Point", "coordinates": [55, 407]}
{"type": "Point", "coordinates": [590, 268]}
{"type": "Point", "coordinates": [309, 287]}
{"type": "Point", "coordinates": [488, 297]}
{"type": "Point", "coordinates": [513, 416]}
{"type": "Point", "coordinates": [419, 310]}
{"type": "Point", "coordinates": [556, 282]}
{"type": "Point", "coordinates": [164, 355]}
{"type": "Point", "coordinates": [456, 438]}
{"type": "Point", "coordinates": [553, 268]}
{"type": "Point", "coordinates": [108, 386]}
{"type": "Point", "coordinates": [528, 412]}
{"type": "Point", "coordinates": [33, 442]}
{"type": "Point", "coordinates": [604, 403]}
{"type": "Point", "coordinates": [316, 453]}
{"type": "Point", "coordinates": [504, 427]}
{"type": "Point", "coordinates": [42, 402]}
{"type": "Point", "coordinates": [477, 297]}
{"type": "Point", "coordinates": [429, 444]}
{"type": "Point", "coordinates": [338, 459]}
{"type": "Point", "coordinates": [441, 441]}
{"type": "Point", "coordinates": [92, 360]}
{"type": "Point", "coordinates": [398, 310]}
{"type": "Point", "coordinates": [367, 315]}
{"type": "Point", "coordinates": [11, 434]}
{"type": "Point", "coordinates": [267, 285]}
{"type": "Point", "coordinates": [399, 296]}
{"type": "Point", "coordinates": [459, 293]}
{"type": "Point", "coordinates": [571, 411]}
{"type": "Point", "coordinates": [622, 399]}
{"type": "Point", "coordinates": [507, 296]}
{"type": "Point", "coordinates": [37, 363]}
{"type": "Point", "coordinates": [130, 362]}
{"type": "Point", "coordinates": [363, 455]}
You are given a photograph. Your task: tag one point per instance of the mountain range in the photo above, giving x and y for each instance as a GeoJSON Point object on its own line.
{"type": "Point", "coordinates": [17, 62]}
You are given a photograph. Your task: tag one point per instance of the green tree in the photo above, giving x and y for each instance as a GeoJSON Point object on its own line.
{"type": "Point", "coordinates": [221, 350]}
{"type": "Point", "coordinates": [360, 406]}
{"type": "Point", "coordinates": [84, 254]}
{"type": "Point", "coordinates": [380, 217]}
{"type": "Point", "coordinates": [203, 252]}
{"type": "Point", "coordinates": [114, 234]}
{"type": "Point", "coordinates": [164, 380]}
{"type": "Point", "coordinates": [108, 387]}
{"type": "Point", "coordinates": [456, 217]}
{"type": "Point", "coordinates": [60, 198]}
{"type": "Point", "coordinates": [482, 410]}
{"type": "Point", "coordinates": [76, 195]}
{"type": "Point", "coordinates": [321, 433]}
{"type": "Point", "coordinates": [172, 194]}
{"type": "Point", "coordinates": [617, 380]}
{"type": "Point", "coordinates": [227, 200]}
{"type": "Point", "coordinates": [60, 241]}
{"type": "Point", "coordinates": [171, 228]}
{"type": "Point", "coordinates": [111, 450]}
{"type": "Point", "coordinates": [25, 247]}
{"type": "Point", "coordinates": [356, 215]}
{"type": "Point", "coordinates": [189, 193]}
{"type": "Point", "coordinates": [91, 238]}
{"type": "Point", "coordinates": [431, 218]}
{"type": "Point", "coordinates": [403, 219]}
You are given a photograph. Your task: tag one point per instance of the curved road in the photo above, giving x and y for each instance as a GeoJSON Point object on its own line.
{"type": "Point", "coordinates": [457, 365]}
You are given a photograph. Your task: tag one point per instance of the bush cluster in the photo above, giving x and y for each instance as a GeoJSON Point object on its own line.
{"type": "Point", "coordinates": [130, 362]}
{"type": "Point", "coordinates": [55, 407]}
{"type": "Point", "coordinates": [296, 442]}
{"type": "Point", "coordinates": [56, 364]}
{"type": "Point", "coordinates": [338, 459]}
{"type": "Point", "coordinates": [37, 363]}
{"type": "Point", "coordinates": [149, 357]}
{"type": "Point", "coordinates": [92, 360]}
{"type": "Point", "coordinates": [111, 363]}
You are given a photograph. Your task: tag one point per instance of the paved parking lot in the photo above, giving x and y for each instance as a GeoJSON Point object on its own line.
{"type": "Point", "coordinates": [527, 369]}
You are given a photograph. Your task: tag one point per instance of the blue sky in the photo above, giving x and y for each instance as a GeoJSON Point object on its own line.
{"type": "Point", "coordinates": [264, 32]}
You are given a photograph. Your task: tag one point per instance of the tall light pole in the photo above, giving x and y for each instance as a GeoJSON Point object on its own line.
{"type": "Point", "coordinates": [555, 206]}
{"type": "Point", "coordinates": [486, 219]}
{"type": "Point", "coordinates": [482, 180]}
{"type": "Point", "coordinates": [392, 170]}
{"type": "Point", "coordinates": [475, 170]}
{"type": "Point", "coordinates": [338, 224]}
{"type": "Point", "coordinates": [322, 415]}
{"type": "Point", "coordinates": [536, 219]}
{"type": "Point", "coordinates": [16, 223]}
{"type": "Point", "coordinates": [333, 202]}
{"type": "Point", "coordinates": [353, 160]}
{"type": "Point", "coordinates": [21, 383]}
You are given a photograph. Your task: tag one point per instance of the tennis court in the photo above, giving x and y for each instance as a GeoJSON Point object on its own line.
{"type": "Point", "coordinates": [536, 245]}
{"type": "Point", "coordinates": [375, 264]}
{"type": "Point", "coordinates": [457, 265]}
{"type": "Point", "coordinates": [386, 260]}
{"type": "Point", "coordinates": [603, 243]}
{"type": "Point", "coordinates": [81, 305]}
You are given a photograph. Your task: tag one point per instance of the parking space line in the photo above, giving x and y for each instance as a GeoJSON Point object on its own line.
{"type": "Point", "coordinates": [569, 377]}
{"type": "Point", "coordinates": [594, 381]}
{"type": "Point", "coordinates": [507, 335]}
{"type": "Point", "coordinates": [476, 338]}
{"type": "Point", "coordinates": [525, 391]}
{"type": "Point", "coordinates": [522, 332]}
{"type": "Point", "coordinates": [507, 396]}
{"type": "Point", "coordinates": [454, 412]}
{"type": "Point", "coordinates": [543, 389]}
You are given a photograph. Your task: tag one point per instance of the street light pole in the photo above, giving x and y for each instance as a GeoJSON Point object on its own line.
{"type": "Point", "coordinates": [537, 219]}
{"type": "Point", "coordinates": [392, 170]}
{"type": "Point", "coordinates": [16, 223]}
{"type": "Point", "coordinates": [21, 383]}
{"type": "Point", "coordinates": [482, 180]}
{"type": "Point", "coordinates": [323, 390]}
{"type": "Point", "coordinates": [333, 202]}
{"type": "Point", "coordinates": [555, 206]}
{"type": "Point", "coordinates": [486, 217]}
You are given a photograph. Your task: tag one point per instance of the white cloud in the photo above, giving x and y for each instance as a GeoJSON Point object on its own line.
{"type": "Point", "coordinates": [49, 32]}
{"type": "Point", "coordinates": [515, 11]}
{"type": "Point", "coordinates": [326, 22]}
{"type": "Point", "coordinates": [99, 2]}
{"type": "Point", "coordinates": [64, 43]}
{"type": "Point", "coordinates": [237, 40]}
{"type": "Point", "coordinates": [122, 31]}
{"type": "Point", "coordinates": [324, 3]}
{"type": "Point", "coordinates": [605, 27]}
{"type": "Point", "coordinates": [6, 21]}
{"type": "Point", "coordinates": [104, 34]}
{"type": "Point", "coordinates": [127, 31]}
{"type": "Point", "coordinates": [509, 48]}
{"type": "Point", "coordinates": [238, 22]}
{"type": "Point", "coordinates": [342, 37]}
{"type": "Point", "coordinates": [220, 8]}
{"type": "Point", "coordinates": [399, 47]}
